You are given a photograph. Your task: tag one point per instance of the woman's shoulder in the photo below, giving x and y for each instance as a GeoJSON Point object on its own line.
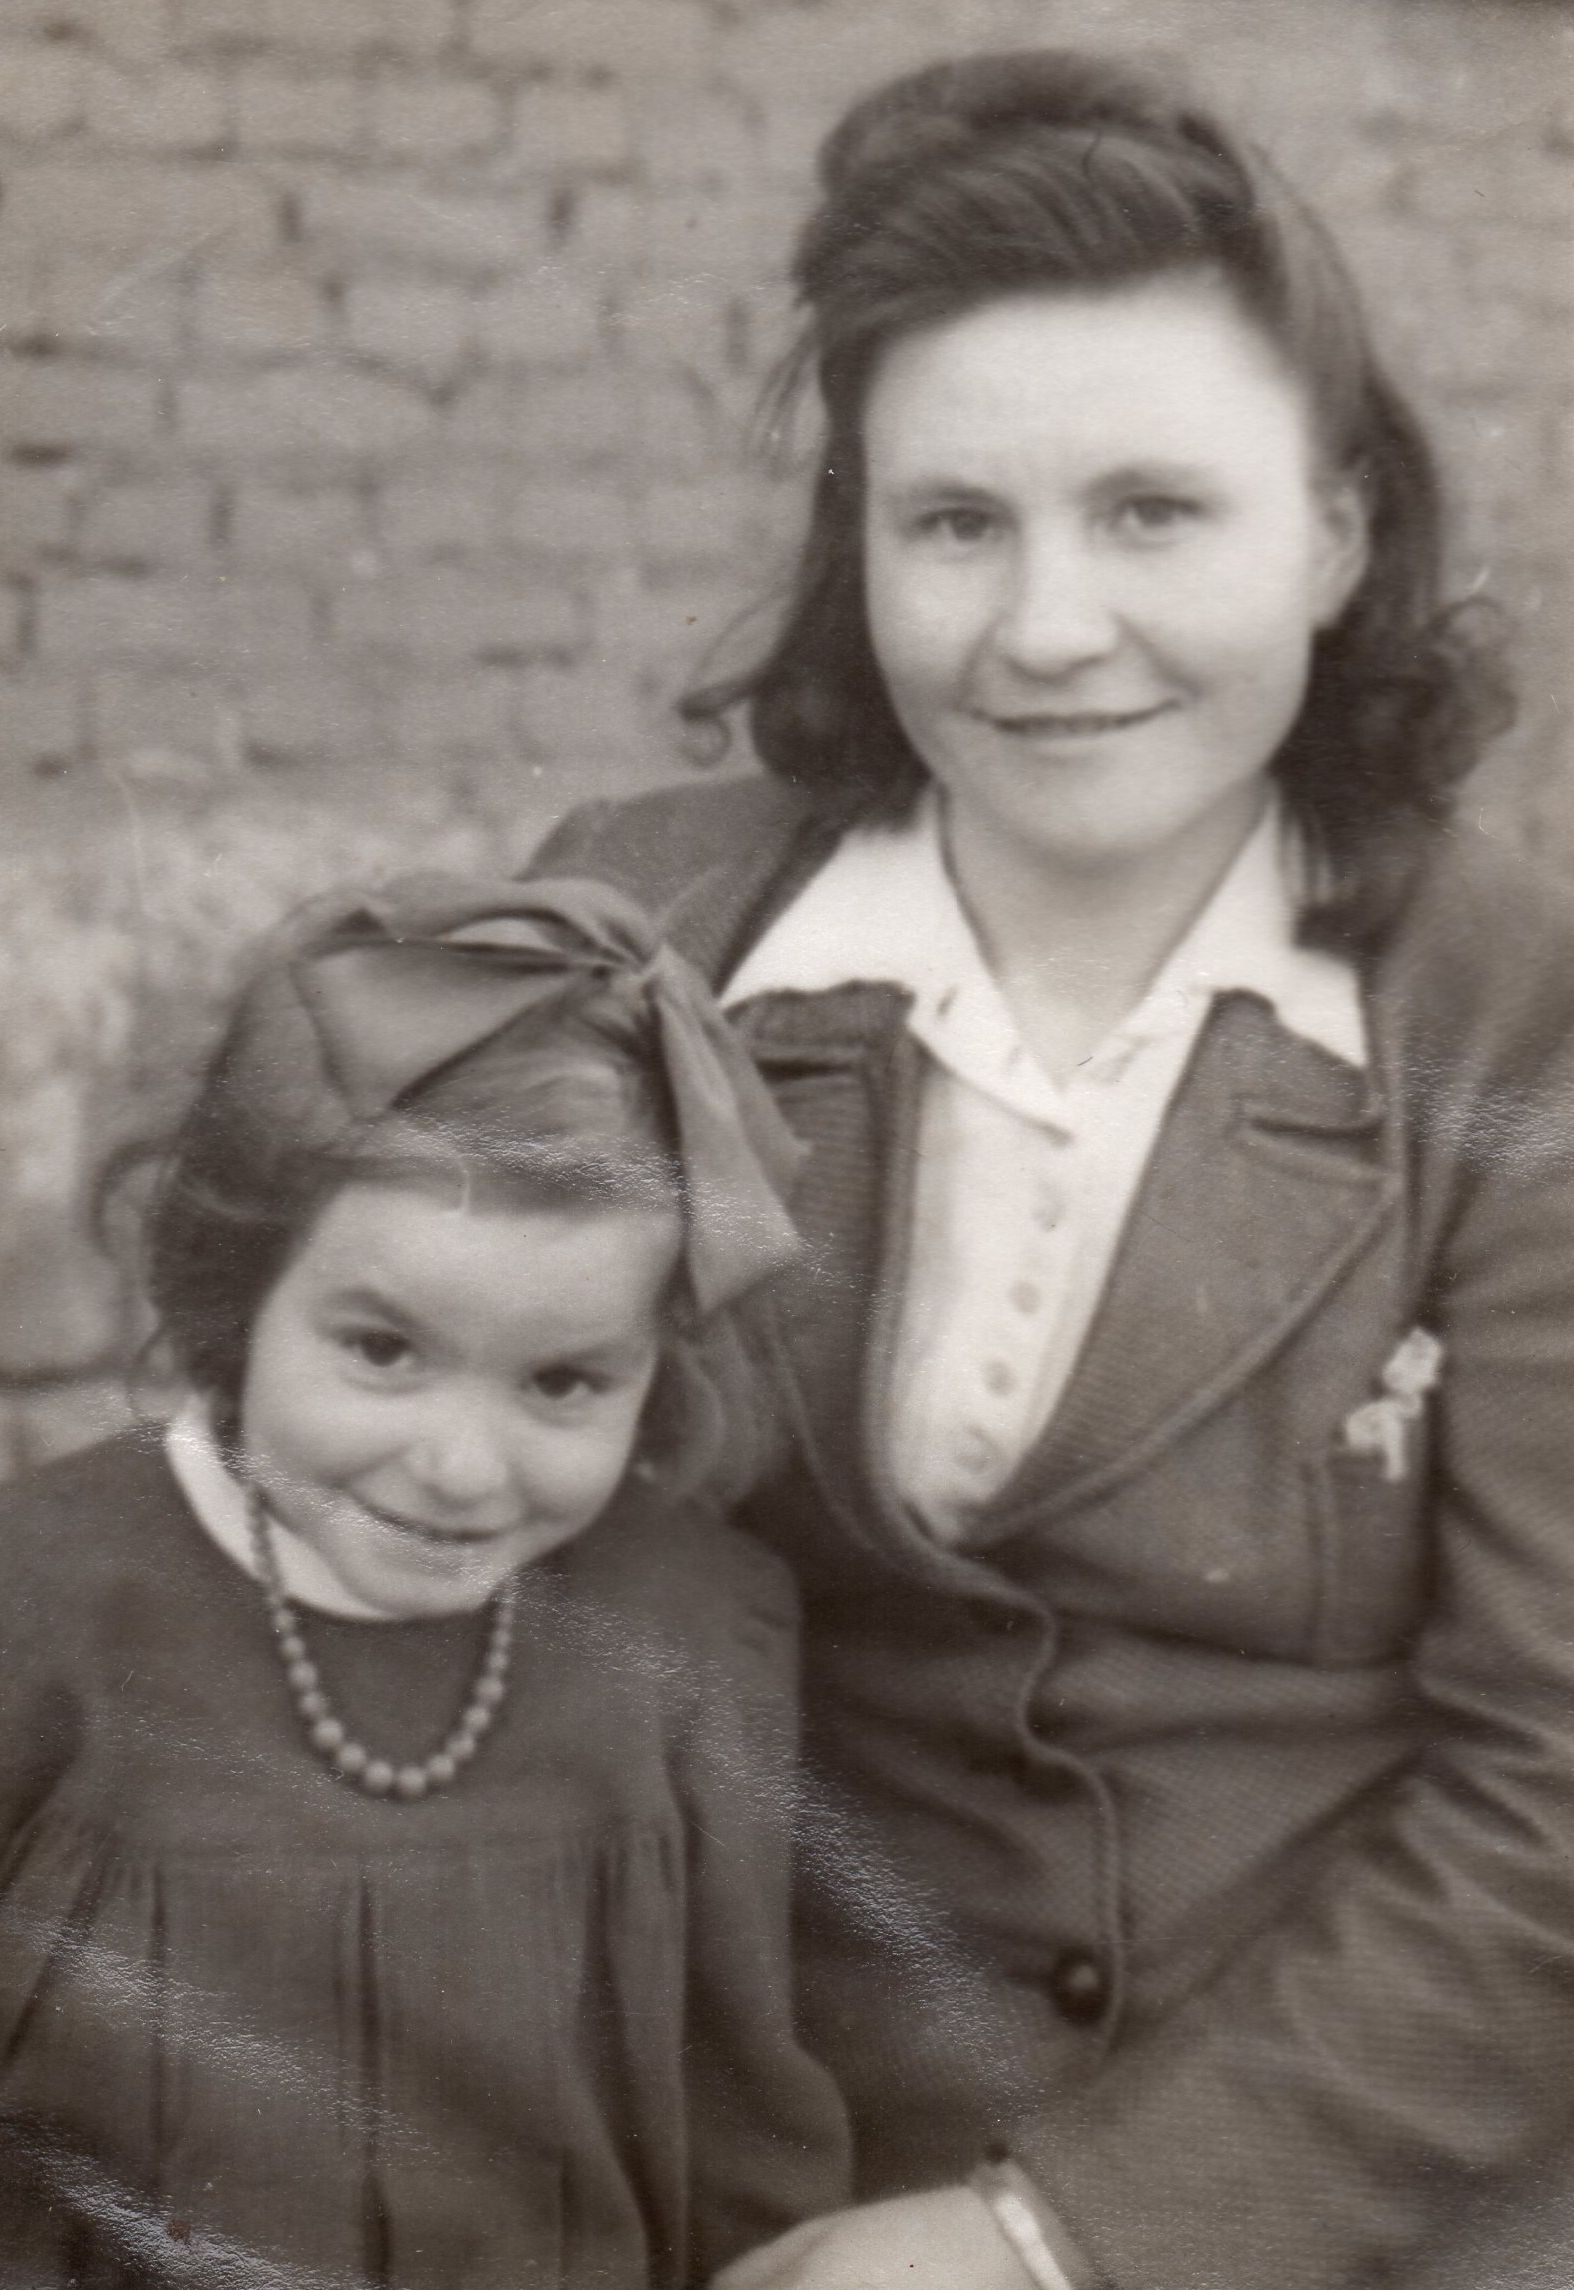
{"type": "Point", "coordinates": [1466, 877]}
{"type": "Point", "coordinates": [1484, 946]}
{"type": "Point", "coordinates": [656, 846]}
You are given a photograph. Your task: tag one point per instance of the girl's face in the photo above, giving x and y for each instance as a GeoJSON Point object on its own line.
{"type": "Point", "coordinates": [1097, 547]}
{"type": "Point", "coordinates": [436, 1395]}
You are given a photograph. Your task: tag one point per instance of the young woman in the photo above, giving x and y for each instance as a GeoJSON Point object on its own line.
{"type": "Point", "coordinates": [1180, 1370]}
{"type": "Point", "coordinates": [394, 1758]}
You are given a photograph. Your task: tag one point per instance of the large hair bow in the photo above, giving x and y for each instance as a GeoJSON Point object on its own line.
{"type": "Point", "coordinates": [377, 989]}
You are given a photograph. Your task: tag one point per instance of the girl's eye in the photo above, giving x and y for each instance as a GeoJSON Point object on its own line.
{"type": "Point", "coordinates": [1150, 516]}
{"type": "Point", "coordinates": [563, 1383]}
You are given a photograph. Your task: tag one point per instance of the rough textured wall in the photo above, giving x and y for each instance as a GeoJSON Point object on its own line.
{"type": "Point", "coordinates": [373, 389]}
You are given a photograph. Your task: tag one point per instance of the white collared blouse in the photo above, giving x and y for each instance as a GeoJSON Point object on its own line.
{"type": "Point", "coordinates": [997, 1303]}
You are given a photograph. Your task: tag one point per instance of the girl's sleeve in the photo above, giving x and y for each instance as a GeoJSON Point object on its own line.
{"type": "Point", "coordinates": [768, 2136]}
{"type": "Point", "coordinates": [40, 1697]}
{"type": "Point", "coordinates": [1406, 2032]}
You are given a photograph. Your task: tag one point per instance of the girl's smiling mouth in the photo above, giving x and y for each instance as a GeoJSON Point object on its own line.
{"type": "Point", "coordinates": [438, 1538]}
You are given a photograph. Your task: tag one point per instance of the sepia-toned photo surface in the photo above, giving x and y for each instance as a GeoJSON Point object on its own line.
{"type": "Point", "coordinates": [786, 1145]}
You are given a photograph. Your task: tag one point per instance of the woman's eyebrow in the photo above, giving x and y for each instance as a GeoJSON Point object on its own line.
{"type": "Point", "coordinates": [1158, 470]}
{"type": "Point", "coordinates": [937, 483]}
{"type": "Point", "coordinates": [952, 481]}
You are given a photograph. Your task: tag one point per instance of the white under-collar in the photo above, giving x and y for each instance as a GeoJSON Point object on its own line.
{"type": "Point", "coordinates": [220, 1504]}
{"type": "Point", "coordinates": [883, 909]}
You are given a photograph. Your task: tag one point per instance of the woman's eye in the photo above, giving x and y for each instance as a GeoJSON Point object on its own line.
{"type": "Point", "coordinates": [957, 523]}
{"type": "Point", "coordinates": [1152, 515]}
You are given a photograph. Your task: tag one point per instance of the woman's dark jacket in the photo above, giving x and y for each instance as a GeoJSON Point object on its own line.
{"type": "Point", "coordinates": [1207, 1832]}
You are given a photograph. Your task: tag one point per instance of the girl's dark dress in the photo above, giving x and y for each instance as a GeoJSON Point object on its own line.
{"type": "Point", "coordinates": [257, 2028]}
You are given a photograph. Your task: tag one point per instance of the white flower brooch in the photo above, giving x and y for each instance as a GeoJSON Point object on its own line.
{"type": "Point", "coordinates": [1380, 1426]}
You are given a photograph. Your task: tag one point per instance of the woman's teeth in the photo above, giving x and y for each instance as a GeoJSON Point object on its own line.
{"type": "Point", "coordinates": [1078, 724]}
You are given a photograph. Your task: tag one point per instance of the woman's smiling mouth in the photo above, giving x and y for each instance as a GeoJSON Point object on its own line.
{"type": "Point", "coordinates": [1080, 723]}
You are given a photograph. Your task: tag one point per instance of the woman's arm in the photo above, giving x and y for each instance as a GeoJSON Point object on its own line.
{"type": "Point", "coordinates": [768, 2136]}
{"type": "Point", "coordinates": [946, 2240]}
{"type": "Point", "coordinates": [1408, 2025]}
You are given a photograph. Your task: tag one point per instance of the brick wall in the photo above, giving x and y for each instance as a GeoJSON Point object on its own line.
{"type": "Point", "coordinates": [374, 377]}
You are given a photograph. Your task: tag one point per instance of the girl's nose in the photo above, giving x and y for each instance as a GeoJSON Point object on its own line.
{"type": "Point", "coordinates": [1056, 614]}
{"type": "Point", "coordinates": [463, 1458]}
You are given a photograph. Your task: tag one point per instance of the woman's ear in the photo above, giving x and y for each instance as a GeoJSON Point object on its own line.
{"type": "Point", "coordinates": [1344, 547]}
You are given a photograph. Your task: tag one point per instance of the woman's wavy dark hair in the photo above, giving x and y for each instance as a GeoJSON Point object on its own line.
{"type": "Point", "coordinates": [561, 1111]}
{"type": "Point", "coordinates": [1016, 173]}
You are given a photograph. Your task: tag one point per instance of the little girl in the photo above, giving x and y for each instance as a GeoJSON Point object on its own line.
{"type": "Point", "coordinates": [395, 1753]}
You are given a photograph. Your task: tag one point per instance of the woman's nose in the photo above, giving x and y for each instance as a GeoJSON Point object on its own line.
{"type": "Point", "coordinates": [1056, 613]}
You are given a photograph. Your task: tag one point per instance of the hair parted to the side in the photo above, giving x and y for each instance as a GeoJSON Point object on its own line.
{"type": "Point", "coordinates": [563, 1110]}
{"type": "Point", "coordinates": [1046, 170]}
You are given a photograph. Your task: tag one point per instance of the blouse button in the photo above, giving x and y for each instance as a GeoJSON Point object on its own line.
{"type": "Point", "coordinates": [1079, 1984]}
{"type": "Point", "coordinates": [974, 1450]}
{"type": "Point", "coordinates": [999, 1378]}
{"type": "Point", "coordinates": [1049, 1207]}
{"type": "Point", "coordinates": [1026, 1295]}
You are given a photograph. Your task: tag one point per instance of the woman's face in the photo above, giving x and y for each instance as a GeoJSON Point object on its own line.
{"type": "Point", "coordinates": [436, 1395]}
{"type": "Point", "coordinates": [1098, 545]}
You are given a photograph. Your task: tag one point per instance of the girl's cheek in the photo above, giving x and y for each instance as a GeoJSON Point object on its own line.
{"type": "Point", "coordinates": [329, 1412]}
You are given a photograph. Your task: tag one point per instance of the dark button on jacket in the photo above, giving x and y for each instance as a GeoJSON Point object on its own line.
{"type": "Point", "coordinates": [1079, 1984]}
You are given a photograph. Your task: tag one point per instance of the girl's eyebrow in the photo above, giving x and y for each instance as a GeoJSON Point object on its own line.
{"type": "Point", "coordinates": [369, 1300]}
{"type": "Point", "coordinates": [595, 1351]}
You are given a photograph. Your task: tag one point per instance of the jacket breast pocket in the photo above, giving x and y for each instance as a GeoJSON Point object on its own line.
{"type": "Point", "coordinates": [1371, 1536]}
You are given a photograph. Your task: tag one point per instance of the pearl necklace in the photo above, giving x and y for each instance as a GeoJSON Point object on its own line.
{"type": "Point", "coordinates": [327, 1732]}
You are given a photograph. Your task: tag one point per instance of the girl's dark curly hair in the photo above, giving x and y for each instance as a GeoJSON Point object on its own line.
{"type": "Point", "coordinates": [1046, 170]}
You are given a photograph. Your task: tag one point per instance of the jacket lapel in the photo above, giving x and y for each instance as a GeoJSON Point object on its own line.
{"type": "Point", "coordinates": [847, 1076]}
{"type": "Point", "coordinates": [1267, 1181]}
